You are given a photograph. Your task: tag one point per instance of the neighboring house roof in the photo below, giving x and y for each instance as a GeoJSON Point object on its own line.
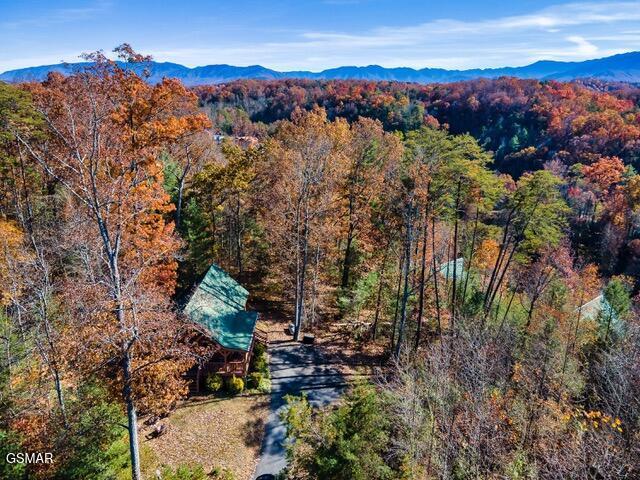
{"type": "Point", "coordinates": [595, 307]}
{"type": "Point", "coordinates": [446, 269]}
{"type": "Point", "coordinates": [599, 309]}
{"type": "Point", "coordinates": [218, 305]}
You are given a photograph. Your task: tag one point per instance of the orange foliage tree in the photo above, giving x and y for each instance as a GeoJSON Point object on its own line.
{"type": "Point", "coordinates": [302, 166]}
{"type": "Point", "coordinates": [106, 128]}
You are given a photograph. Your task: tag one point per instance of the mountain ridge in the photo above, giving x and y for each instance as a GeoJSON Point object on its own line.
{"type": "Point", "coordinates": [624, 67]}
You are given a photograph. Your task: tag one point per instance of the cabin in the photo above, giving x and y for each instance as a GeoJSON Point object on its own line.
{"type": "Point", "coordinates": [448, 269]}
{"type": "Point", "coordinates": [223, 328]}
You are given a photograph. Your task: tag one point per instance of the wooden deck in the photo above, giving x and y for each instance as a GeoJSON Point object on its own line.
{"type": "Point", "coordinates": [236, 368]}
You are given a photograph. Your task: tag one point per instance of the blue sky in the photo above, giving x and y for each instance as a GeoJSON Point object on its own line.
{"type": "Point", "coordinates": [318, 34]}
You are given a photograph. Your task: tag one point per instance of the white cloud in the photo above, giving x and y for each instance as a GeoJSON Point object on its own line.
{"type": "Point", "coordinates": [549, 20]}
{"type": "Point", "coordinates": [573, 31]}
{"type": "Point", "coordinates": [557, 32]}
{"type": "Point", "coordinates": [584, 47]}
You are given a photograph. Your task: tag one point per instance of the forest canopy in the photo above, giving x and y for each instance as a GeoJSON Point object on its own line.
{"type": "Point", "coordinates": [523, 122]}
{"type": "Point", "coordinates": [480, 240]}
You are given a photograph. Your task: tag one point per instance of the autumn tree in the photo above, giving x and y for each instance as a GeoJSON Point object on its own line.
{"type": "Point", "coordinates": [450, 179]}
{"type": "Point", "coordinates": [534, 216]}
{"type": "Point", "coordinates": [185, 158]}
{"type": "Point", "coordinates": [302, 170]}
{"type": "Point", "coordinates": [219, 218]}
{"type": "Point", "coordinates": [368, 153]}
{"type": "Point", "coordinates": [106, 129]}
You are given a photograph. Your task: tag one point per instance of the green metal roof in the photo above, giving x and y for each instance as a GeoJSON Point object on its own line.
{"type": "Point", "coordinates": [218, 305]}
{"type": "Point", "coordinates": [592, 309]}
{"type": "Point", "coordinates": [600, 309]}
{"type": "Point", "coordinates": [447, 269]}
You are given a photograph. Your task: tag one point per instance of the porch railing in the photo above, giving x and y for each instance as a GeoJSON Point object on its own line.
{"type": "Point", "coordinates": [228, 368]}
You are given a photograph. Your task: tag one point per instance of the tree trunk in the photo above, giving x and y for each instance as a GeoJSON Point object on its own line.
{"type": "Point", "coordinates": [414, 259]}
{"type": "Point", "coordinates": [455, 256]}
{"type": "Point", "coordinates": [314, 289]}
{"type": "Point", "coordinates": [497, 311]}
{"type": "Point", "coordinates": [499, 259]}
{"type": "Point", "coordinates": [502, 275]}
{"type": "Point", "coordinates": [532, 307]}
{"type": "Point", "coordinates": [506, 312]}
{"type": "Point", "coordinates": [471, 255]}
{"type": "Point", "coordinates": [379, 294]}
{"type": "Point", "coordinates": [435, 272]}
{"type": "Point", "coordinates": [213, 230]}
{"type": "Point", "coordinates": [348, 257]}
{"type": "Point", "coordinates": [49, 355]}
{"type": "Point", "coordinates": [60, 396]}
{"type": "Point", "coordinates": [405, 293]}
{"type": "Point", "coordinates": [112, 251]}
{"type": "Point", "coordinates": [178, 215]}
{"type": "Point", "coordinates": [422, 278]}
{"type": "Point", "coordinates": [517, 239]}
{"type": "Point", "coordinates": [395, 313]}
{"type": "Point", "coordinates": [296, 308]}
{"type": "Point", "coordinates": [132, 418]}
{"type": "Point", "coordinates": [301, 281]}
{"type": "Point", "coordinates": [54, 365]}
{"type": "Point", "coordinates": [238, 232]}
{"type": "Point", "coordinates": [181, 180]}
{"type": "Point", "coordinates": [230, 242]}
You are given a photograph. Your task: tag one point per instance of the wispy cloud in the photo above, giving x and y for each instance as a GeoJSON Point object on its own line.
{"type": "Point", "coordinates": [61, 15]}
{"type": "Point", "coordinates": [584, 47]}
{"type": "Point", "coordinates": [550, 20]}
{"type": "Point", "coordinates": [570, 31]}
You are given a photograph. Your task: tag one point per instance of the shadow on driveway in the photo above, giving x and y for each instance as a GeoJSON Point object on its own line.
{"type": "Point", "coordinates": [295, 368]}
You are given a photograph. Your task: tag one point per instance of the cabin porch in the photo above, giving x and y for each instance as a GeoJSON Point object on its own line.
{"type": "Point", "coordinates": [225, 363]}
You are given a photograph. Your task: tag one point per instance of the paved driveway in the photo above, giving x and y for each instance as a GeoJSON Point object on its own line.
{"type": "Point", "coordinates": [295, 368]}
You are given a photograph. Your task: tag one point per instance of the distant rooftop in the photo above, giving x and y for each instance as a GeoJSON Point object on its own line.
{"type": "Point", "coordinates": [218, 305]}
{"type": "Point", "coordinates": [447, 269]}
{"type": "Point", "coordinates": [599, 305]}
{"type": "Point", "coordinates": [600, 310]}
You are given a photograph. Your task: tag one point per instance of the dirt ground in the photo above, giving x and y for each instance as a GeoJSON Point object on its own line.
{"type": "Point", "coordinates": [355, 358]}
{"type": "Point", "coordinates": [213, 432]}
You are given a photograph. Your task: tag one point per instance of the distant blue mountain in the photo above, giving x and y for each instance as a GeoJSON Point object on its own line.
{"type": "Point", "coordinates": [617, 68]}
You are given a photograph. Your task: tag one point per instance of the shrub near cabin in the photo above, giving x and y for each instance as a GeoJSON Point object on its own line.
{"type": "Point", "coordinates": [23, 457]}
